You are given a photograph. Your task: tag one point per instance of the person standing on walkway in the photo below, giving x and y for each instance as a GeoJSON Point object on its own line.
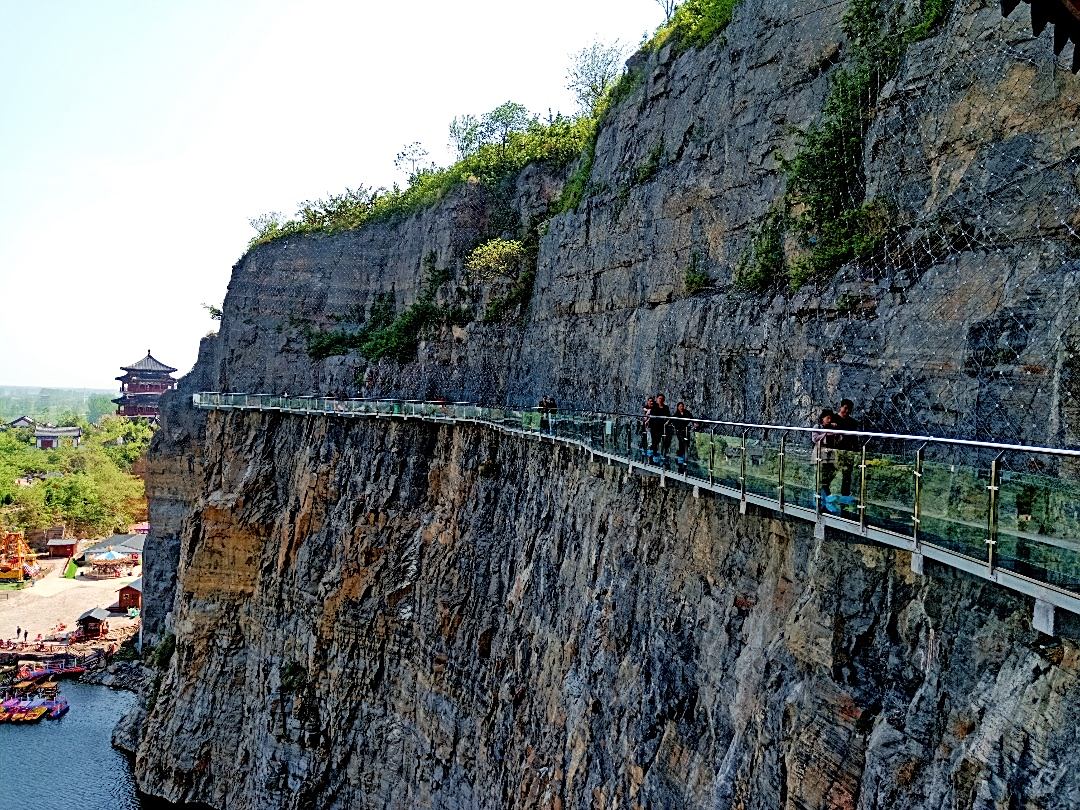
{"type": "Point", "coordinates": [646, 410]}
{"type": "Point", "coordinates": [659, 430]}
{"type": "Point", "coordinates": [846, 445]}
{"type": "Point", "coordinates": [682, 422]}
{"type": "Point", "coordinates": [825, 457]}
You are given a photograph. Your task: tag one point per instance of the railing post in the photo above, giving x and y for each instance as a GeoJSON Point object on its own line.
{"type": "Point", "coordinates": [992, 512]}
{"type": "Point", "coordinates": [712, 452]}
{"type": "Point", "coordinates": [916, 510]}
{"type": "Point", "coordinates": [817, 478]}
{"type": "Point", "coordinates": [742, 468]}
{"type": "Point", "coordinates": [780, 470]}
{"type": "Point", "coordinates": [862, 485]}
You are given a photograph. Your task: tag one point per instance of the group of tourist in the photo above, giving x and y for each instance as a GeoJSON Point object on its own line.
{"type": "Point", "coordinates": [659, 425]}
{"type": "Point", "coordinates": [548, 410]}
{"type": "Point", "coordinates": [835, 452]}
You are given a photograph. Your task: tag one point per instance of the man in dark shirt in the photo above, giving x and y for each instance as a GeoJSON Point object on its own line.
{"type": "Point", "coordinates": [681, 422]}
{"type": "Point", "coordinates": [659, 430]}
{"type": "Point", "coordinates": [847, 445]}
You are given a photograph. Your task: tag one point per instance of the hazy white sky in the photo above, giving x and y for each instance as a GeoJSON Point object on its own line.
{"type": "Point", "coordinates": [138, 137]}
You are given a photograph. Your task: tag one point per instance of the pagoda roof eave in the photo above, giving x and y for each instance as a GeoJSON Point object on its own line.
{"type": "Point", "coordinates": [149, 363]}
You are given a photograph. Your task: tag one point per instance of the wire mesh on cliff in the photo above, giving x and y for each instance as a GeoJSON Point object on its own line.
{"type": "Point", "coordinates": [946, 164]}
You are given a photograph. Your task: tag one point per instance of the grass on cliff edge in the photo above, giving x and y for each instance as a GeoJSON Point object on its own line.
{"type": "Point", "coordinates": [558, 143]}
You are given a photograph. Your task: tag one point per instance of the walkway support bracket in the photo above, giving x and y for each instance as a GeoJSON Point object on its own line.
{"type": "Point", "coordinates": [1043, 617]}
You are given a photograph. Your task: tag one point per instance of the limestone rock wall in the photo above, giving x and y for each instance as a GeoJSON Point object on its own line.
{"type": "Point", "coordinates": [393, 615]}
{"type": "Point", "coordinates": [965, 327]}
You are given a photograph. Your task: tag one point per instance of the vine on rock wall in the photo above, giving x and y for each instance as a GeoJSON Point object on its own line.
{"type": "Point", "coordinates": [826, 184]}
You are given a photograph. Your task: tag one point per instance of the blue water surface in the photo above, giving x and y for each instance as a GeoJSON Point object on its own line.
{"type": "Point", "coordinates": [70, 763]}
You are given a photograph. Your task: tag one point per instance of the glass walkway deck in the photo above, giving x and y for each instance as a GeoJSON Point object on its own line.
{"type": "Point", "coordinates": [1005, 513]}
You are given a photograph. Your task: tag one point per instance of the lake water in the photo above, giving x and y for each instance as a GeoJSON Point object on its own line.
{"type": "Point", "coordinates": [70, 763]}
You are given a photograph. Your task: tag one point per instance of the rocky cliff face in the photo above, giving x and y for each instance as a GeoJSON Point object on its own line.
{"type": "Point", "coordinates": [396, 616]}
{"type": "Point", "coordinates": [372, 615]}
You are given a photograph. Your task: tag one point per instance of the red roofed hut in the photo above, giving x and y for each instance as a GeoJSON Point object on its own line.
{"type": "Point", "coordinates": [131, 595]}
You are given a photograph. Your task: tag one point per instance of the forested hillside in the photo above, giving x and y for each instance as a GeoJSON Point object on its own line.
{"type": "Point", "coordinates": [90, 488]}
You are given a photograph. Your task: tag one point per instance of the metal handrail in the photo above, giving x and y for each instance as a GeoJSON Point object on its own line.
{"type": "Point", "coordinates": [563, 412]}
{"type": "Point", "coordinates": [1054, 558]}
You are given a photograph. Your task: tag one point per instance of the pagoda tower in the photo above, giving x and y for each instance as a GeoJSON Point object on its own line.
{"type": "Point", "coordinates": [141, 385]}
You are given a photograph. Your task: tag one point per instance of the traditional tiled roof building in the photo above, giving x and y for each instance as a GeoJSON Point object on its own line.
{"type": "Point", "coordinates": [48, 437]}
{"type": "Point", "coordinates": [141, 385]}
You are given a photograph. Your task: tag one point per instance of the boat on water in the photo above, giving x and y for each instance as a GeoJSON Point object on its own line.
{"type": "Point", "coordinates": [9, 707]}
{"type": "Point", "coordinates": [38, 673]}
{"type": "Point", "coordinates": [57, 708]}
{"type": "Point", "coordinates": [30, 713]}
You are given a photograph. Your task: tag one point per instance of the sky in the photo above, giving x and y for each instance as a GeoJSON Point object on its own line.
{"type": "Point", "coordinates": [138, 138]}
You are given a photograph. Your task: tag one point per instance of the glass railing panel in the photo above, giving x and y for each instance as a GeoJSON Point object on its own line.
{"type": "Point", "coordinates": [890, 491]}
{"type": "Point", "coordinates": [530, 420]}
{"type": "Point", "coordinates": [800, 472]}
{"type": "Point", "coordinates": [953, 502]}
{"type": "Point", "coordinates": [723, 455]}
{"type": "Point", "coordinates": [639, 441]}
{"type": "Point", "coordinates": [610, 443]}
{"type": "Point", "coordinates": [585, 427]}
{"type": "Point", "coordinates": [594, 431]}
{"type": "Point", "coordinates": [1039, 518]}
{"type": "Point", "coordinates": [763, 466]}
{"type": "Point", "coordinates": [602, 437]}
{"type": "Point", "coordinates": [573, 427]}
{"type": "Point", "coordinates": [695, 464]}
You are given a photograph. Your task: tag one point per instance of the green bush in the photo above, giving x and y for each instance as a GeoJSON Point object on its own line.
{"type": "Point", "coordinates": [645, 171]}
{"type": "Point", "coordinates": [697, 22]}
{"type": "Point", "coordinates": [399, 338]}
{"type": "Point", "coordinates": [825, 178]}
{"type": "Point", "coordinates": [855, 234]}
{"type": "Point", "coordinates": [495, 258]}
{"type": "Point", "coordinates": [163, 651]}
{"type": "Point", "coordinates": [695, 278]}
{"type": "Point", "coordinates": [514, 302]}
{"type": "Point", "coordinates": [762, 265]}
{"type": "Point", "coordinates": [576, 186]}
{"type": "Point", "coordinates": [933, 15]}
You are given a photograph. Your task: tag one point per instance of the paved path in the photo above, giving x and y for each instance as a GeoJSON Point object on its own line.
{"type": "Point", "coordinates": [54, 600]}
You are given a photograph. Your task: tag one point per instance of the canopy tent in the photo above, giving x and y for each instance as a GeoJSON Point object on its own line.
{"type": "Point", "coordinates": [109, 563]}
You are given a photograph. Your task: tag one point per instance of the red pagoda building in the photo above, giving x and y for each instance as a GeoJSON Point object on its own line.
{"type": "Point", "coordinates": [142, 385]}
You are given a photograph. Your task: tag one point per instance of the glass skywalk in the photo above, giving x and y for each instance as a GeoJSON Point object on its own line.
{"type": "Point", "coordinates": [1006, 513]}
